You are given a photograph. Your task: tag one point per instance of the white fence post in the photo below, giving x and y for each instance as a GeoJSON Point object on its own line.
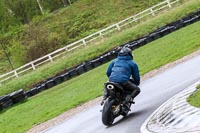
{"type": "Point", "coordinates": [67, 49]}
{"type": "Point", "coordinates": [169, 4]}
{"type": "Point", "coordinates": [84, 43]}
{"type": "Point", "coordinates": [152, 12]}
{"type": "Point", "coordinates": [50, 58]}
{"type": "Point", "coordinates": [32, 65]}
{"type": "Point", "coordinates": [118, 27]}
{"type": "Point", "coordinates": [134, 18]}
{"type": "Point", "coordinates": [100, 34]}
{"type": "Point", "coordinates": [16, 75]}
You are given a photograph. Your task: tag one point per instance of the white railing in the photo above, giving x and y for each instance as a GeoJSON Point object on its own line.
{"type": "Point", "coordinates": [115, 27]}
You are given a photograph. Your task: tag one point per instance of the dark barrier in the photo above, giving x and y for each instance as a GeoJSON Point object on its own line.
{"type": "Point", "coordinates": [141, 41]}
{"type": "Point", "coordinates": [96, 62]}
{"type": "Point", "coordinates": [191, 20]}
{"type": "Point", "coordinates": [5, 102]}
{"type": "Point", "coordinates": [41, 87]}
{"type": "Point", "coordinates": [177, 24]}
{"type": "Point", "coordinates": [58, 80]}
{"type": "Point", "coordinates": [166, 30]}
{"type": "Point", "coordinates": [133, 45]}
{"type": "Point", "coordinates": [155, 35]}
{"type": "Point", "coordinates": [33, 91]}
{"type": "Point", "coordinates": [18, 96]}
{"type": "Point", "coordinates": [81, 69]}
{"type": "Point", "coordinates": [49, 83]}
{"type": "Point", "coordinates": [111, 55]}
{"type": "Point", "coordinates": [88, 66]}
{"type": "Point", "coordinates": [73, 72]}
{"type": "Point", "coordinates": [104, 58]}
{"type": "Point", "coordinates": [65, 76]}
{"type": "Point", "coordinates": [148, 39]}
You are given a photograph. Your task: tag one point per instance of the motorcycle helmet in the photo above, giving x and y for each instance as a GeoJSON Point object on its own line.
{"type": "Point", "coordinates": [125, 51]}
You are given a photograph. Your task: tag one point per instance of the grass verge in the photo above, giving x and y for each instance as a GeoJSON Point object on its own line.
{"type": "Point", "coordinates": [93, 50]}
{"type": "Point", "coordinates": [88, 86]}
{"type": "Point", "coordinates": [194, 99]}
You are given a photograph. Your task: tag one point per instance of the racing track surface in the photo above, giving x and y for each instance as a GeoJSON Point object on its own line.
{"type": "Point", "coordinates": [154, 92]}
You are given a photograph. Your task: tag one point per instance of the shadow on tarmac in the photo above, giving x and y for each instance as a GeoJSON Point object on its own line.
{"type": "Point", "coordinates": [129, 117]}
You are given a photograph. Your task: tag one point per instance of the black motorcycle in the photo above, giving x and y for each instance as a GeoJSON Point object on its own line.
{"type": "Point", "coordinates": [116, 103]}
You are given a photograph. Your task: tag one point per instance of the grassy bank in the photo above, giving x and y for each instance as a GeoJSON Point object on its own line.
{"type": "Point", "coordinates": [93, 50]}
{"type": "Point", "coordinates": [194, 99]}
{"type": "Point", "coordinates": [51, 31]}
{"type": "Point", "coordinates": [69, 94]}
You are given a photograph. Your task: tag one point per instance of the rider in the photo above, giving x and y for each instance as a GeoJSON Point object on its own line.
{"type": "Point", "coordinates": [124, 71]}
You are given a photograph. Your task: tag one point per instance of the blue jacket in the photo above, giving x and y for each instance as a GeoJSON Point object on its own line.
{"type": "Point", "coordinates": [122, 68]}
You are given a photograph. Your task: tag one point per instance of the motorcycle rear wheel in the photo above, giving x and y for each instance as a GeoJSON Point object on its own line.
{"type": "Point", "coordinates": [107, 113]}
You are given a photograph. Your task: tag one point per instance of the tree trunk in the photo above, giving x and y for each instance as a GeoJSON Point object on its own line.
{"type": "Point", "coordinates": [38, 2]}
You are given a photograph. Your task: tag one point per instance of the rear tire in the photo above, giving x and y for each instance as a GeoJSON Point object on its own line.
{"type": "Point", "coordinates": [107, 114]}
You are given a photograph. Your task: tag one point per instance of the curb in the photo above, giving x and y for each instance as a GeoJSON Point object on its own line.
{"type": "Point", "coordinates": [174, 116]}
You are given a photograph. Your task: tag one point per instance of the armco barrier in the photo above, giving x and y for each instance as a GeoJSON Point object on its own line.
{"type": "Point", "coordinates": [8, 100]}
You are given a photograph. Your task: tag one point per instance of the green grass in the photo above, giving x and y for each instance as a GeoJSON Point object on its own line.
{"type": "Point", "coordinates": [95, 49]}
{"type": "Point", "coordinates": [88, 86]}
{"type": "Point", "coordinates": [85, 16]}
{"type": "Point", "coordinates": [194, 99]}
{"type": "Point", "coordinates": [198, 86]}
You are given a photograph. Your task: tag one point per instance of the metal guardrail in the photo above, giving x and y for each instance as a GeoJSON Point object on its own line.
{"type": "Point", "coordinates": [115, 27]}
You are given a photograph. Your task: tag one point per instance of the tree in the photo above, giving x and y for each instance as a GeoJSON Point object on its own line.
{"type": "Point", "coordinates": [24, 10]}
{"type": "Point", "coordinates": [7, 18]}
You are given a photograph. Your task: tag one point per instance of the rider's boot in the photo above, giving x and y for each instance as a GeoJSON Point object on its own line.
{"type": "Point", "coordinates": [129, 99]}
{"type": "Point", "coordinates": [133, 95]}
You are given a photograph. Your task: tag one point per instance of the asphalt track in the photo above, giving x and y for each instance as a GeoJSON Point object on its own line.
{"type": "Point", "coordinates": [155, 91]}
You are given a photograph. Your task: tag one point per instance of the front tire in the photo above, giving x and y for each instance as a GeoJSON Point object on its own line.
{"type": "Point", "coordinates": [107, 114]}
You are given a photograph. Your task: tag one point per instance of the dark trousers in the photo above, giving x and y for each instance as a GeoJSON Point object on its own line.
{"type": "Point", "coordinates": [129, 86]}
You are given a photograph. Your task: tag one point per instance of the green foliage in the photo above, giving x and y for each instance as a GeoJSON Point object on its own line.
{"type": "Point", "coordinates": [52, 5]}
{"type": "Point", "coordinates": [4, 54]}
{"type": "Point", "coordinates": [7, 18]}
{"type": "Point", "coordinates": [24, 10]}
{"type": "Point", "coordinates": [18, 53]}
{"type": "Point", "coordinates": [39, 41]}
{"type": "Point", "coordinates": [16, 12]}
{"type": "Point", "coordinates": [3, 62]}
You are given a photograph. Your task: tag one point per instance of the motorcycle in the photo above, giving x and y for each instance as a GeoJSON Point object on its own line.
{"type": "Point", "coordinates": [117, 103]}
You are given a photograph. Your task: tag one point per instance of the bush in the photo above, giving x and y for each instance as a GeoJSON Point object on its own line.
{"type": "Point", "coordinates": [39, 41]}
{"type": "Point", "coordinates": [17, 53]}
